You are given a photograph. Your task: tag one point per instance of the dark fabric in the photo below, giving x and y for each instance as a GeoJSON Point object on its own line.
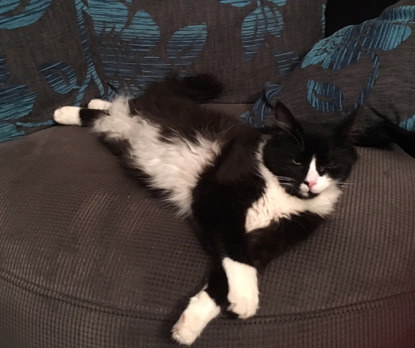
{"type": "Point", "coordinates": [47, 59]}
{"type": "Point", "coordinates": [89, 259]}
{"type": "Point", "coordinates": [242, 42]}
{"type": "Point", "coordinates": [361, 66]}
{"type": "Point", "coordinates": [340, 13]}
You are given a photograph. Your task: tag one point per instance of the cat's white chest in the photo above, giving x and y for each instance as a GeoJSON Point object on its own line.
{"type": "Point", "coordinates": [271, 206]}
{"type": "Point", "coordinates": [275, 203]}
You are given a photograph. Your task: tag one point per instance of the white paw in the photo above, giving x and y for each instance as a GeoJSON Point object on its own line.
{"type": "Point", "coordinates": [243, 294]}
{"type": "Point", "coordinates": [200, 311]}
{"type": "Point", "coordinates": [68, 115]}
{"type": "Point", "coordinates": [99, 104]}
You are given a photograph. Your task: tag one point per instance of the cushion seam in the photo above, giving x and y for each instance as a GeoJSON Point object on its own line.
{"type": "Point", "coordinates": [283, 317]}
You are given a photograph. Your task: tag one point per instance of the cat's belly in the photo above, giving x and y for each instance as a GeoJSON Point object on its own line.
{"type": "Point", "coordinates": [173, 165]}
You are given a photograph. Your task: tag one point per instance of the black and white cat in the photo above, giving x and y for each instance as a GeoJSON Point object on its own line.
{"type": "Point", "coordinates": [253, 194]}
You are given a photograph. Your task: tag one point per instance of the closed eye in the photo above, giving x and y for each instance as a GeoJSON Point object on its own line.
{"type": "Point", "coordinates": [297, 163]}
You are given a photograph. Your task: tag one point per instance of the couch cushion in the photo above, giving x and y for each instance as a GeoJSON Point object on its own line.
{"type": "Point", "coordinates": [242, 42]}
{"type": "Point", "coordinates": [89, 259]}
{"type": "Point", "coordinates": [364, 65]}
{"type": "Point", "coordinates": [46, 60]}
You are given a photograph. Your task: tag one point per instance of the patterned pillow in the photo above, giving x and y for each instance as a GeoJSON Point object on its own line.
{"type": "Point", "coordinates": [45, 61]}
{"type": "Point", "coordinates": [240, 41]}
{"type": "Point", "coordinates": [371, 64]}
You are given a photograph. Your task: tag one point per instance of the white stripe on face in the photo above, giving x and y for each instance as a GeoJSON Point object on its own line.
{"type": "Point", "coordinates": [314, 182]}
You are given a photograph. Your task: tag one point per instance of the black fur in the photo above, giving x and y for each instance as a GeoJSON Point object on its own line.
{"type": "Point", "coordinates": [229, 187]}
{"type": "Point", "coordinates": [384, 133]}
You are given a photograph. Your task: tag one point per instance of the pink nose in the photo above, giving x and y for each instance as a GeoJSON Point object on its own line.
{"type": "Point", "coordinates": [311, 184]}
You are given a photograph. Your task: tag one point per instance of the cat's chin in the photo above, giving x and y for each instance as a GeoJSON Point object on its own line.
{"type": "Point", "coordinates": [307, 195]}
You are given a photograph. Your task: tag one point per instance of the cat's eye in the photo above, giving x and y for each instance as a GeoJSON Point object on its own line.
{"type": "Point", "coordinates": [296, 162]}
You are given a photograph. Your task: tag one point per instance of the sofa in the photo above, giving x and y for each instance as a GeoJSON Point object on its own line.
{"type": "Point", "coordinates": [88, 258]}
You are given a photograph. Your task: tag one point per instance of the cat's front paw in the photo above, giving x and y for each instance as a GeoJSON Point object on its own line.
{"type": "Point", "coordinates": [67, 115]}
{"type": "Point", "coordinates": [244, 302]}
{"type": "Point", "coordinates": [243, 294]}
{"type": "Point", "coordinates": [200, 311]}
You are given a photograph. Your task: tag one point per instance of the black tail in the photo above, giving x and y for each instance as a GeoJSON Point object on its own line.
{"type": "Point", "coordinates": [200, 88]}
{"type": "Point", "coordinates": [385, 133]}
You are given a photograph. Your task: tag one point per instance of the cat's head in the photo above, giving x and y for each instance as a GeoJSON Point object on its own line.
{"type": "Point", "coordinates": [309, 158]}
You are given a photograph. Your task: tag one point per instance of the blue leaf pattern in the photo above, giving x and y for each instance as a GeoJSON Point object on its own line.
{"type": "Point", "coordinates": [4, 74]}
{"type": "Point", "coordinates": [287, 61]}
{"type": "Point", "coordinates": [16, 100]}
{"type": "Point", "coordinates": [253, 33]}
{"type": "Point", "coordinates": [265, 18]}
{"type": "Point", "coordinates": [324, 96]}
{"type": "Point", "coordinates": [31, 13]}
{"type": "Point", "coordinates": [408, 124]}
{"type": "Point", "coordinates": [59, 75]}
{"type": "Point", "coordinates": [9, 6]}
{"type": "Point", "coordinates": [91, 74]}
{"type": "Point", "coordinates": [274, 21]}
{"type": "Point", "coordinates": [143, 33]}
{"type": "Point", "coordinates": [186, 44]}
{"type": "Point", "coordinates": [236, 3]}
{"type": "Point", "coordinates": [9, 131]}
{"type": "Point", "coordinates": [278, 2]}
{"type": "Point", "coordinates": [109, 15]}
{"type": "Point", "coordinates": [346, 47]}
{"type": "Point", "coordinates": [261, 111]}
{"type": "Point", "coordinates": [153, 69]}
{"type": "Point", "coordinates": [140, 34]}
{"type": "Point", "coordinates": [128, 41]}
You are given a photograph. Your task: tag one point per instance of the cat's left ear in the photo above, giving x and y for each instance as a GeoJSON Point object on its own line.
{"type": "Point", "coordinates": [284, 119]}
{"type": "Point", "coordinates": [344, 129]}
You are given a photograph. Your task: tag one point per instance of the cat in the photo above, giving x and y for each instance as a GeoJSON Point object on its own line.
{"type": "Point", "coordinates": [253, 194]}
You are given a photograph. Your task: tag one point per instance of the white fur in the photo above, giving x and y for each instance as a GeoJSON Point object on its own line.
{"type": "Point", "coordinates": [67, 115]}
{"type": "Point", "coordinates": [276, 203]}
{"type": "Point", "coordinates": [317, 182]}
{"type": "Point", "coordinates": [174, 166]}
{"type": "Point", "coordinates": [243, 294]}
{"type": "Point", "coordinates": [200, 311]}
{"type": "Point", "coordinates": [98, 104]}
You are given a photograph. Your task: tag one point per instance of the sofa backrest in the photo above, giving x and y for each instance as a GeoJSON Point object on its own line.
{"type": "Point", "coordinates": [55, 53]}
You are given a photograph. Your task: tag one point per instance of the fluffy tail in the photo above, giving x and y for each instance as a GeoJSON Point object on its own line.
{"type": "Point", "coordinates": [200, 88]}
{"type": "Point", "coordinates": [386, 133]}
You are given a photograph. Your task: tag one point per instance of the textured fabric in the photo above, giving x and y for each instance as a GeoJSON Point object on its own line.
{"type": "Point", "coordinates": [371, 64]}
{"type": "Point", "coordinates": [242, 42]}
{"type": "Point", "coordinates": [89, 259]}
{"type": "Point", "coordinates": [46, 60]}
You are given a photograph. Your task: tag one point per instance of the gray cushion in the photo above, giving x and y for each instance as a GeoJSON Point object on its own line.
{"type": "Point", "coordinates": [370, 64]}
{"type": "Point", "coordinates": [89, 259]}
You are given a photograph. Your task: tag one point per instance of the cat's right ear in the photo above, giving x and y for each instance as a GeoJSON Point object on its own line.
{"type": "Point", "coordinates": [284, 119]}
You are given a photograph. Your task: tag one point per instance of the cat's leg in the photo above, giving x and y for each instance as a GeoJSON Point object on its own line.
{"type": "Point", "coordinates": [68, 115]}
{"type": "Point", "coordinates": [243, 293]}
{"type": "Point", "coordinates": [232, 285]}
{"type": "Point", "coordinates": [76, 116]}
{"type": "Point", "coordinates": [201, 309]}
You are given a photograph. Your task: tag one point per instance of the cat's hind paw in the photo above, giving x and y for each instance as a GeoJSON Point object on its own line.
{"type": "Point", "coordinates": [200, 311]}
{"type": "Point", "coordinates": [67, 115]}
{"type": "Point", "coordinates": [98, 104]}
